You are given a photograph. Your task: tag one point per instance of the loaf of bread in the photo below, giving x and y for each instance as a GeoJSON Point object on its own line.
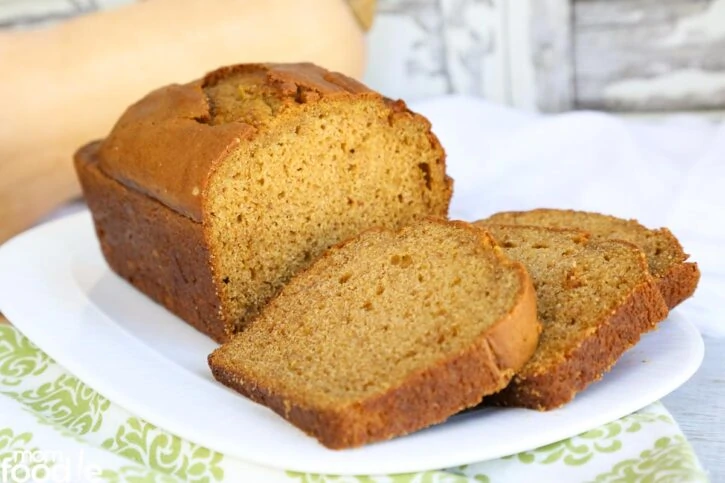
{"type": "Point", "coordinates": [386, 334]}
{"type": "Point", "coordinates": [209, 196]}
{"type": "Point", "coordinates": [594, 299]}
{"type": "Point", "coordinates": [676, 278]}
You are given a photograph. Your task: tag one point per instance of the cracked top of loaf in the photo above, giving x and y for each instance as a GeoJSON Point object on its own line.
{"type": "Point", "coordinates": [167, 144]}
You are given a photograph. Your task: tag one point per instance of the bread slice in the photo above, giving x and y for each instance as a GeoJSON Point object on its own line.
{"type": "Point", "coordinates": [386, 334]}
{"type": "Point", "coordinates": [676, 278]}
{"type": "Point", "coordinates": [209, 196]}
{"type": "Point", "coordinates": [595, 298]}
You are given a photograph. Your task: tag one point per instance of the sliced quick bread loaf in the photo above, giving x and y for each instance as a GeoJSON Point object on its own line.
{"type": "Point", "coordinates": [676, 278]}
{"type": "Point", "coordinates": [594, 300]}
{"type": "Point", "coordinates": [209, 196]}
{"type": "Point", "coordinates": [386, 334]}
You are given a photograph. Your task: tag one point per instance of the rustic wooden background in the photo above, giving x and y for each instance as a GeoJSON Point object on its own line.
{"type": "Point", "coordinates": [635, 56]}
{"type": "Point", "coordinates": [555, 55]}
{"type": "Point", "coordinates": [649, 54]}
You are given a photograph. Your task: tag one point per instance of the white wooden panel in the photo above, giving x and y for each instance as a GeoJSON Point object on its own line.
{"type": "Point", "coordinates": [540, 49]}
{"type": "Point", "coordinates": [475, 47]}
{"type": "Point", "coordinates": [520, 70]}
{"type": "Point", "coordinates": [406, 51]}
{"type": "Point", "coordinates": [420, 48]}
{"type": "Point", "coordinates": [649, 55]}
{"type": "Point", "coordinates": [405, 56]}
{"type": "Point", "coordinates": [552, 54]}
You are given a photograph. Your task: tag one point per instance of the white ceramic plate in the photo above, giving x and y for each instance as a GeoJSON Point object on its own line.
{"type": "Point", "coordinates": [57, 289]}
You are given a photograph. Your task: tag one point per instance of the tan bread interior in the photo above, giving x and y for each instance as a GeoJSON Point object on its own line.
{"type": "Point", "coordinates": [578, 284]}
{"type": "Point", "coordinates": [316, 174]}
{"type": "Point", "coordinates": [661, 247]}
{"type": "Point", "coordinates": [367, 316]}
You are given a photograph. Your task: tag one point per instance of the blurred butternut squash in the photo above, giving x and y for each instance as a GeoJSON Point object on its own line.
{"type": "Point", "coordinates": [63, 86]}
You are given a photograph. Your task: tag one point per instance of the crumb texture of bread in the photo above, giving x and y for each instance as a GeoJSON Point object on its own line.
{"type": "Point", "coordinates": [386, 334]}
{"type": "Point", "coordinates": [677, 279]}
{"type": "Point", "coordinates": [273, 164]}
{"type": "Point", "coordinates": [595, 298]}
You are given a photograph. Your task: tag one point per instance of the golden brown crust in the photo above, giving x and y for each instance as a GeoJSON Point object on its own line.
{"type": "Point", "coordinates": [166, 147]}
{"type": "Point", "coordinates": [427, 397]}
{"type": "Point", "coordinates": [679, 283]}
{"type": "Point", "coordinates": [157, 250]}
{"type": "Point", "coordinates": [680, 280]}
{"type": "Point", "coordinates": [161, 147]}
{"type": "Point", "coordinates": [587, 363]}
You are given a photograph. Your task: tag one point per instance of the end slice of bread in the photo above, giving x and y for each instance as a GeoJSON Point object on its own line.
{"type": "Point", "coordinates": [595, 299]}
{"type": "Point", "coordinates": [386, 334]}
{"type": "Point", "coordinates": [676, 278]}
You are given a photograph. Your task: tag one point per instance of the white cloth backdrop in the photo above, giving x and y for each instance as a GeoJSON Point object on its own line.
{"type": "Point", "coordinates": [668, 172]}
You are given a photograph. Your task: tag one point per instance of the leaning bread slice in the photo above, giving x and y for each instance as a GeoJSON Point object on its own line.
{"type": "Point", "coordinates": [676, 278]}
{"type": "Point", "coordinates": [594, 300]}
{"type": "Point", "coordinates": [386, 334]}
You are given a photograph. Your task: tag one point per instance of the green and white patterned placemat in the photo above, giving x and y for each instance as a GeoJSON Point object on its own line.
{"type": "Point", "coordinates": [55, 428]}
